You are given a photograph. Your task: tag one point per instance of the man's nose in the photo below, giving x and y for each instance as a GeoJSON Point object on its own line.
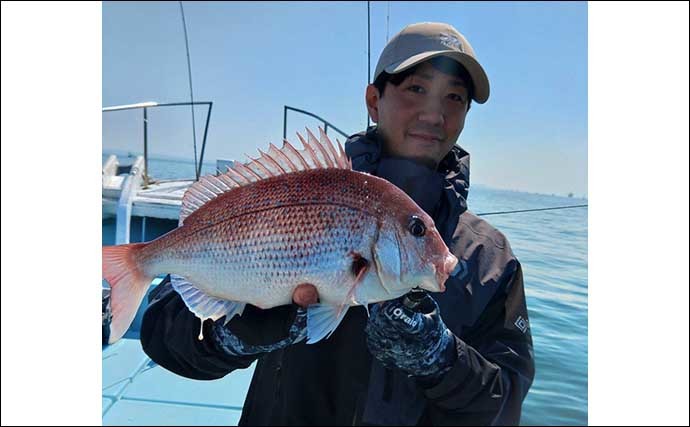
{"type": "Point", "coordinates": [432, 114]}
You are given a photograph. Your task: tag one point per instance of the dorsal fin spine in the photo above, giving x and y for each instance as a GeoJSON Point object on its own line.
{"type": "Point", "coordinates": [272, 161]}
{"type": "Point", "coordinates": [205, 190]}
{"type": "Point", "coordinates": [342, 157]}
{"type": "Point", "coordinates": [257, 162]}
{"type": "Point", "coordinates": [230, 173]}
{"type": "Point", "coordinates": [228, 181]}
{"type": "Point", "coordinates": [238, 177]}
{"type": "Point", "coordinates": [273, 150]}
{"type": "Point", "coordinates": [329, 146]}
{"type": "Point", "coordinates": [200, 193]}
{"type": "Point", "coordinates": [312, 153]}
{"type": "Point", "coordinates": [241, 168]}
{"type": "Point", "coordinates": [193, 195]}
{"type": "Point", "coordinates": [317, 143]}
{"type": "Point", "coordinates": [211, 186]}
{"type": "Point", "coordinates": [296, 153]}
{"type": "Point", "coordinates": [269, 166]}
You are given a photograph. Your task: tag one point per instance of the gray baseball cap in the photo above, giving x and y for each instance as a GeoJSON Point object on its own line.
{"type": "Point", "coordinates": [417, 43]}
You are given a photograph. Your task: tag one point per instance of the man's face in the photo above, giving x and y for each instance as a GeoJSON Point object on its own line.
{"type": "Point", "coordinates": [422, 117]}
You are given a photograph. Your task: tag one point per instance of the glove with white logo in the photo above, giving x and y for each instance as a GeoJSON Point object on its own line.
{"type": "Point", "coordinates": [413, 340]}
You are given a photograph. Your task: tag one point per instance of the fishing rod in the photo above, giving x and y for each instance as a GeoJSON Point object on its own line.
{"type": "Point", "coordinates": [368, 50]}
{"type": "Point", "coordinates": [531, 210]}
{"type": "Point", "coordinates": [191, 91]}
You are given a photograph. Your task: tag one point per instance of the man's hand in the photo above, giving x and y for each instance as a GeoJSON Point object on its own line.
{"type": "Point", "coordinates": [305, 294]}
{"type": "Point", "coordinates": [415, 341]}
{"type": "Point", "coordinates": [262, 331]}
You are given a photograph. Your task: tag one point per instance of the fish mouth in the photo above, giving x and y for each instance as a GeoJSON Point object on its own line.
{"type": "Point", "coordinates": [444, 268]}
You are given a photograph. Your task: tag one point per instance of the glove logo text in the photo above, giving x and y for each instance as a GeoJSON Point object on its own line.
{"type": "Point", "coordinates": [398, 313]}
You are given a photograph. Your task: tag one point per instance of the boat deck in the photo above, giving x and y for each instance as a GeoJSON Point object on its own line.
{"type": "Point", "coordinates": [137, 391]}
{"type": "Point", "coordinates": [149, 197]}
{"type": "Point", "coordinates": [160, 199]}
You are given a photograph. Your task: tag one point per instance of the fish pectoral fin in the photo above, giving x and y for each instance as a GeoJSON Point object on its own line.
{"type": "Point", "coordinates": [358, 268]}
{"type": "Point", "coordinates": [322, 320]}
{"type": "Point", "coordinates": [203, 305]}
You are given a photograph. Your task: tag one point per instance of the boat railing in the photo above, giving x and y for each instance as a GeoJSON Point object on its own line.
{"type": "Point", "coordinates": [145, 106]}
{"type": "Point", "coordinates": [310, 114]}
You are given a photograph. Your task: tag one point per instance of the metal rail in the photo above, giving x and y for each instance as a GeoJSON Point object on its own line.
{"type": "Point", "coordinates": [145, 106]}
{"type": "Point", "coordinates": [325, 122]}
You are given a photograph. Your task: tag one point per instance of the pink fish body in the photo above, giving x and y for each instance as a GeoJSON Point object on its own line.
{"type": "Point", "coordinates": [257, 232]}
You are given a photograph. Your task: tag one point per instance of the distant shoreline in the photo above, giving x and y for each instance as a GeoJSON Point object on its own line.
{"type": "Point", "coordinates": [213, 164]}
{"type": "Point", "coordinates": [535, 193]}
{"type": "Point", "coordinates": [154, 157]}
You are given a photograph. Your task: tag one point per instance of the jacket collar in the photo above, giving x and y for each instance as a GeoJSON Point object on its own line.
{"type": "Point", "coordinates": [364, 149]}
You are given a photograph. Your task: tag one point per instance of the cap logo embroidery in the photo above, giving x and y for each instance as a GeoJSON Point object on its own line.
{"type": "Point", "coordinates": [451, 41]}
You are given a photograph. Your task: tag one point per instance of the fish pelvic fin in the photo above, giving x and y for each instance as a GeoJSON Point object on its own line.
{"type": "Point", "coordinates": [205, 306]}
{"type": "Point", "coordinates": [322, 321]}
{"type": "Point", "coordinates": [128, 285]}
{"type": "Point", "coordinates": [318, 153]}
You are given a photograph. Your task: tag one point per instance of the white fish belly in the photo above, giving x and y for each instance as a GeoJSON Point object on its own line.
{"type": "Point", "coordinates": [262, 266]}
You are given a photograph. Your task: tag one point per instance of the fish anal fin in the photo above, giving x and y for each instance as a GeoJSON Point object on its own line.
{"type": "Point", "coordinates": [322, 321]}
{"type": "Point", "coordinates": [205, 306]}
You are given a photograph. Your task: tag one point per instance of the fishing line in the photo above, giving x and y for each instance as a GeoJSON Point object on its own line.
{"type": "Point", "coordinates": [531, 210]}
{"type": "Point", "coordinates": [368, 50]}
{"type": "Point", "coordinates": [388, 18]}
{"type": "Point", "coordinates": [197, 168]}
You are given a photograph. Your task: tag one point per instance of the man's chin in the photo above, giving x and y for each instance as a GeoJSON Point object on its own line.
{"type": "Point", "coordinates": [424, 159]}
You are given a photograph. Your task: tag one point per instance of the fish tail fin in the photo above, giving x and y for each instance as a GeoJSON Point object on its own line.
{"type": "Point", "coordinates": [128, 285]}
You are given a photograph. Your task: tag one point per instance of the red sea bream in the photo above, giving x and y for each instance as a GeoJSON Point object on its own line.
{"type": "Point", "coordinates": [290, 217]}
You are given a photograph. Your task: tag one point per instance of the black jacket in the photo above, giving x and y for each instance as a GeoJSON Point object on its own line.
{"type": "Point", "coordinates": [337, 382]}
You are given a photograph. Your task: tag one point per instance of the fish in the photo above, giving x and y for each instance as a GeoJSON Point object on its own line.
{"type": "Point", "coordinates": [288, 218]}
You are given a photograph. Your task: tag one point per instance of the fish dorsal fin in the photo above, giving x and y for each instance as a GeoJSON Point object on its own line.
{"type": "Point", "coordinates": [318, 153]}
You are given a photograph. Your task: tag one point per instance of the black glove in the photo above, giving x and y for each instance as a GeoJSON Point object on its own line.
{"type": "Point", "coordinates": [262, 327]}
{"type": "Point", "coordinates": [261, 331]}
{"type": "Point", "coordinates": [255, 331]}
{"type": "Point", "coordinates": [415, 341]}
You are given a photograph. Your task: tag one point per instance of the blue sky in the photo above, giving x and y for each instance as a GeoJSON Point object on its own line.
{"type": "Point", "coordinates": [253, 58]}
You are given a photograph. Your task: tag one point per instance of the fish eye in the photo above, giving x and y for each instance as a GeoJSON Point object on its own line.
{"type": "Point", "coordinates": [416, 226]}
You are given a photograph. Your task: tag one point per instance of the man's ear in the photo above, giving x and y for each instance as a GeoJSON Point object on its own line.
{"type": "Point", "coordinates": [372, 99]}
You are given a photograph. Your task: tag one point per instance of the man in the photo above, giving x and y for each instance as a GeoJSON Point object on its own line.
{"type": "Point", "coordinates": [461, 357]}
